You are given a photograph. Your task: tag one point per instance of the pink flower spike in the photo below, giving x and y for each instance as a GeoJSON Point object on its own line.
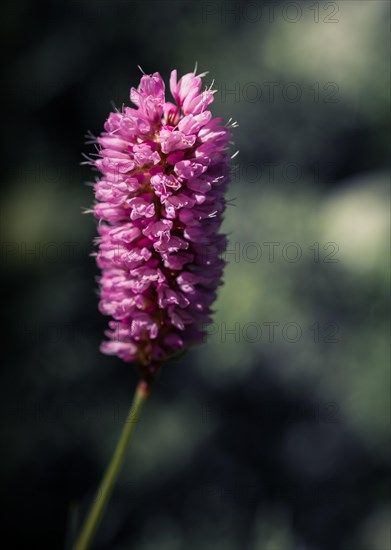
{"type": "Point", "coordinates": [160, 199]}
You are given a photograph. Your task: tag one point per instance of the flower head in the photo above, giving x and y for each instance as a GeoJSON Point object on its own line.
{"type": "Point", "coordinates": [160, 199]}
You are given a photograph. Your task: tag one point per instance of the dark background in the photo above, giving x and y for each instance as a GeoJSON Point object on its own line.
{"type": "Point", "coordinates": [256, 440]}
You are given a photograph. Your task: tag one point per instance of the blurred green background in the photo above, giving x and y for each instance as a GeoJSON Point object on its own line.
{"type": "Point", "coordinates": [274, 435]}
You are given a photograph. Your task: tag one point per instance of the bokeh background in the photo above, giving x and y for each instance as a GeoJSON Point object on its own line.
{"type": "Point", "coordinates": [274, 435]}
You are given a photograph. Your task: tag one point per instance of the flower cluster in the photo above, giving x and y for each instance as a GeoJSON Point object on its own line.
{"type": "Point", "coordinates": [164, 169]}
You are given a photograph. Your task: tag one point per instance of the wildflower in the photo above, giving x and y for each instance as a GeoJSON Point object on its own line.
{"type": "Point", "coordinates": [160, 199]}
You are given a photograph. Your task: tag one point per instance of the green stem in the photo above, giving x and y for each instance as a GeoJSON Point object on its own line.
{"type": "Point", "coordinates": [91, 524]}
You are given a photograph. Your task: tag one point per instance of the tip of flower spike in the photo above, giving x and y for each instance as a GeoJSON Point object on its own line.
{"type": "Point", "coordinates": [142, 71]}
